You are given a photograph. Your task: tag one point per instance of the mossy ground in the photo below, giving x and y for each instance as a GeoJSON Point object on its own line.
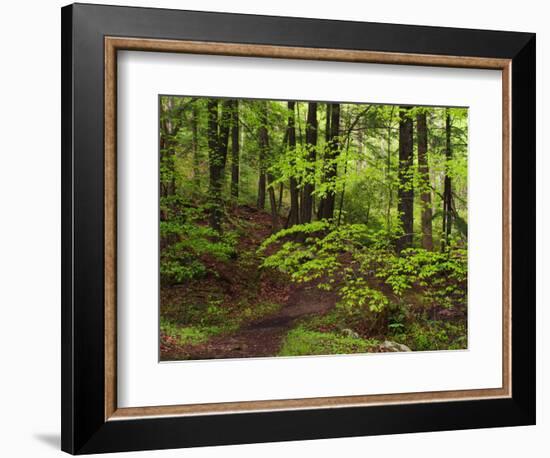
{"type": "Point", "coordinates": [239, 310]}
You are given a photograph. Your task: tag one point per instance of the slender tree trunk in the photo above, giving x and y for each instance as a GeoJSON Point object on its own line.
{"type": "Point", "coordinates": [388, 173]}
{"type": "Point", "coordinates": [294, 215]}
{"type": "Point", "coordinates": [215, 163]}
{"type": "Point", "coordinates": [168, 126]}
{"type": "Point", "coordinates": [261, 190]}
{"type": "Point", "coordinates": [311, 143]}
{"type": "Point", "coordinates": [405, 203]}
{"type": "Point", "coordinates": [195, 144]}
{"type": "Point", "coordinates": [345, 174]}
{"type": "Point", "coordinates": [325, 153]}
{"type": "Point", "coordinates": [266, 179]}
{"type": "Point", "coordinates": [272, 203]}
{"type": "Point", "coordinates": [327, 203]}
{"type": "Point", "coordinates": [172, 162]}
{"type": "Point", "coordinates": [263, 145]}
{"type": "Point", "coordinates": [280, 202]}
{"type": "Point", "coordinates": [162, 187]}
{"type": "Point", "coordinates": [424, 174]}
{"type": "Point", "coordinates": [163, 159]}
{"type": "Point", "coordinates": [168, 152]}
{"type": "Point", "coordinates": [218, 138]}
{"type": "Point", "coordinates": [235, 149]}
{"type": "Point", "coordinates": [224, 129]}
{"type": "Point", "coordinates": [447, 187]}
{"type": "Point", "coordinates": [327, 123]}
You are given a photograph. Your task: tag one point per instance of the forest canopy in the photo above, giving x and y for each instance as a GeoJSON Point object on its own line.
{"type": "Point", "coordinates": [298, 228]}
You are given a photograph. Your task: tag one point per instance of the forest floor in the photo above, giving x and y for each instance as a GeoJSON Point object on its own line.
{"type": "Point", "coordinates": [242, 332]}
{"type": "Point", "coordinates": [264, 336]}
{"type": "Point", "coordinates": [239, 310]}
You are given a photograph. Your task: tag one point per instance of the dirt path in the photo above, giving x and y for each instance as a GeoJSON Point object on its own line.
{"type": "Point", "coordinates": [264, 337]}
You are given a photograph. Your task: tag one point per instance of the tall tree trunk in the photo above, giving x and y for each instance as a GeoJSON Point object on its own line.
{"type": "Point", "coordinates": [447, 189]}
{"type": "Point", "coordinates": [262, 155]}
{"type": "Point", "coordinates": [224, 129]}
{"type": "Point", "coordinates": [163, 158]}
{"type": "Point", "coordinates": [168, 153]}
{"type": "Point", "coordinates": [325, 153]}
{"type": "Point", "coordinates": [261, 189]}
{"type": "Point", "coordinates": [294, 215]}
{"type": "Point", "coordinates": [266, 179]}
{"type": "Point", "coordinates": [424, 174]}
{"type": "Point", "coordinates": [215, 166]}
{"type": "Point", "coordinates": [195, 144]}
{"type": "Point", "coordinates": [162, 187]}
{"type": "Point", "coordinates": [388, 172]}
{"type": "Point", "coordinates": [326, 204]}
{"type": "Point", "coordinates": [168, 126]}
{"type": "Point", "coordinates": [311, 144]}
{"type": "Point", "coordinates": [405, 205]}
{"type": "Point", "coordinates": [280, 201]}
{"type": "Point", "coordinates": [235, 149]}
{"type": "Point", "coordinates": [272, 203]}
{"type": "Point", "coordinates": [218, 138]}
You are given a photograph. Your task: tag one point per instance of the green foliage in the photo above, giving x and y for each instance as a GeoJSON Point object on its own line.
{"type": "Point", "coordinates": [187, 335]}
{"type": "Point", "coordinates": [341, 257]}
{"type": "Point", "coordinates": [302, 342]}
{"type": "Point", "coordinates": [350, 257]}
{"type": "Point", "coordinates": [441, 275]}
{"type": "Point", "coordinates": [193, 323]}
{"type": "Point", "coordinates": [367, 204]}
{"type": "Point", "coordinates": [356, 293]}
{"type": "Point", "coordinates": [432, 335]}
{"type": "Point", "coordinates": [180, 268]}
{"type": "Point", "coordinates": [187, 240]}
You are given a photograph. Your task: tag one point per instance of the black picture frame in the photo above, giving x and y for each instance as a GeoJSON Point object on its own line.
{"type": "Point", "coordinates": [84, 429]}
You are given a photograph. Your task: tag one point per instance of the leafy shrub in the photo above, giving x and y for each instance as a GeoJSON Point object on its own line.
{"type": "Point", "coordinates": [350, 258]}
{"type": "Point", "coordinates": [333, 255]}
{"type": "Point", "coordinates": [187, 241]}
{"type": "Point", "coordinates": [300, 342]}
{"type": "Point", "coordinates": [188, 334]}
{"type": "Point", "coordinates": [433, 335]}
{"type": "Point", "coordinates": [442, 275]}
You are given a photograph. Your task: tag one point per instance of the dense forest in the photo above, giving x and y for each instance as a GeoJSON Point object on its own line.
{"type": "Point", "coordinates": [294, 228]}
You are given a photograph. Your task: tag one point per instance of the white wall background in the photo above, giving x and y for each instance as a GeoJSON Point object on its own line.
{"type": "Point", "coordinates": [30, 226]}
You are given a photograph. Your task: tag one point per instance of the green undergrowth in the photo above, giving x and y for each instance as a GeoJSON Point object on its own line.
{"type": "Point", "coordinates": [199, 323]}
{"type": "Point", "coordinates": [329, 334]}
{"type": "Point", "coordinates": [334, 320]}
{"type": "Point", "coordinates": [432, 335]}
{"type": "Point", "coordinates": [192, 335]}
{"type": "Point", "coordinates": [301, 342]}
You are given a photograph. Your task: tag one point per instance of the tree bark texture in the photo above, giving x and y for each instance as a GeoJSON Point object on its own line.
{"type": "Point", "coordinates": [447, 187]}
{"type": "Point", "coordinates": [218, 137]}
{"type": "Point", "coordinates": [235, 150]}
{"type": "Point", "coordinates": [405, 202]}
{"type": "Point", "coordinates": [262, 155]}
{"type": "Point", "coordinates": [327, 203]}
{"type": "Point", "coordinates": [294, 215]}
{"type": "Point", "coordinates": [424, 175]}
{"type": "Point", "coordinates": [311, 144]}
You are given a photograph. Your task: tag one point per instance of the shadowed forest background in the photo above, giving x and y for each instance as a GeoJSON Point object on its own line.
{"type": "Point", "coordinates": [293, 228]}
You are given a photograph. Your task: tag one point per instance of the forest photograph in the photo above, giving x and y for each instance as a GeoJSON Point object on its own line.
{"type": "Point", "coordinates": [300, 228]}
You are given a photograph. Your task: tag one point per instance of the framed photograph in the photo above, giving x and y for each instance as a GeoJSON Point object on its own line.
{"type": "Point", "coordinates": [284, 228]}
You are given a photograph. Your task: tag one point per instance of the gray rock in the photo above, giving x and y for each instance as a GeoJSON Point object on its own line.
{"type": "Point", "coordinates": [390, 346]}
{"type": "Point", "coordinates": [350, 333]}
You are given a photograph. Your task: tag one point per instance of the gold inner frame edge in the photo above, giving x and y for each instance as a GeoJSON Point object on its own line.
{"type": "Point", "coordinates": [112, 45]}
